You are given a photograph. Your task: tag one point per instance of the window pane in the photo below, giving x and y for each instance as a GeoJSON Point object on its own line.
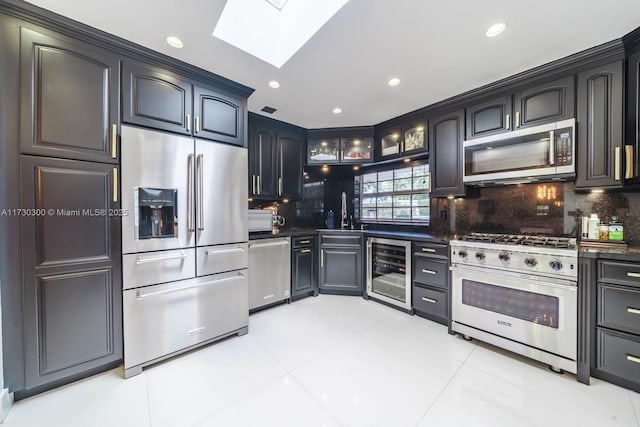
{"type": "Point", "coordinates": [402, 213]}
{"type": "Point", "coordinates": [370, 177]}
{"type": "Point", "coordinates": [384, 201]}
{"type": "Point", "coordinates": [421, 170]}
{"type": "Point", "coordinates": [369, 213]}
{"type": "Point", "coordinates": [368, 202]}
{"type": "Point", "coordinates": [402, 173]}
{"type": "Point", "coordinates": [370, 187]}
{"type": "Point", "coordinates": [420, 199]}
{"type": "Point", "coordinates": [401, 201]}
{"type": "Point", "coordinates": [420, 214]}
{"type": "Point", "coordinates": [420, 183]}
{"type": "Point", "coordinates": [384, 213]}
{"type": "Point", "coordinates": [385, 176]}
{"type": "Point", "coordinates": [385, 186]}
{"type": "Point", "coordinates": [403, 184]}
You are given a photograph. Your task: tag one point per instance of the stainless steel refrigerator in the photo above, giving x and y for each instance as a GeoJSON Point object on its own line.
{"type": "Point", "coordinates": [184, 240]}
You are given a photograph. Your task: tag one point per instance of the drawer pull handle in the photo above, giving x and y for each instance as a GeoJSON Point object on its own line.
{"type": "Point", "coordinates": [633, 310]}
{"type": "Point", "coordinates": [424, 270]}
{"type": "Point", "coordinates": [631, 274]}
{"type": "Point", "coordinates": [634, 359]}
{"type": "Point", "coordinates": [305, 251]}
{"type": "Point", "coordinates": [303, 242]}
{"type": "Point", "coordinates": [224, 251]}
{"type": "Point", "coordinates": [428, 250]}
{"type": "Point", "coordinates": [431, 300]}
{"type": "Point", "coordinates": [143, 260]}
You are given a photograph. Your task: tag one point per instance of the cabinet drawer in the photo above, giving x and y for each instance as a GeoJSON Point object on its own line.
{"type": "Point", "coordinates": [221, 258]}
{"type": "Point", "coordinates": [619, 308]}
{"type": "Point", "coordinates": [619, 354]}
{"type": "Point", "coordinates": [430, 272]}
{"type": "Point", "coordinates": [431, 249]}
{"type": "Point", "coordinates": [625, 273]}
{"type": "Point", "coordinates": [430, 301]}
{"type": "Point", "coordinates": [304, 241]}
{"type": "Point", "coordinates": [150, 268]}
{"type": "Point", "coordinates": [342, 240]}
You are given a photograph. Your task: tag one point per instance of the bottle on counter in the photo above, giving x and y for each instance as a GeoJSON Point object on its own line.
{"type": "Point", "coordinates": [616, 229]}
{"type": "Point", "coordinates": [603, 233]}
{"type": "Point", "coordinates": [594, 226]}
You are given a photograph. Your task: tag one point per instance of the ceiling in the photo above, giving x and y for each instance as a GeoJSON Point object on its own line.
{"type": "Point", "coordinates": [437, 48]}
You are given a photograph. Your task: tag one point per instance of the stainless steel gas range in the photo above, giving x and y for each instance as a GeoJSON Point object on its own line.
{"type": "Point", "coordinates": [518, 292]}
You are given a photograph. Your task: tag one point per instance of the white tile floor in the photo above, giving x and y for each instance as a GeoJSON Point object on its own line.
{"type": "Point", "coordinates": [331, 361]}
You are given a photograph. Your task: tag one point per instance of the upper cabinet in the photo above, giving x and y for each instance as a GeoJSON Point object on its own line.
{"type": "Point", "coordinates": [69, 98]}
{"type": "Point", "coordinates": [600, 126]}
{"type": "Point", "coordinates": [489, 117]}
{"type": "Point", "coordinates": [446, 134]}
{"type": "Point", "coordinates": [632, 147]}
{"type": "Point", "coordinates": [156, 98]}
{"type": "Point", "coordinates": [275, 160]}
{"type": "Point", "coordinates": [340, 145]}
{"type": "Point", "coordinates": [400, 140]}
{"type": "Point", "coordinates": [545, 103]}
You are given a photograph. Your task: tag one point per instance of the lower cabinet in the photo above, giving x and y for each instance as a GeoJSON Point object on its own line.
{"type": "Point", "coordinates": [617, 330]}
{"type": "Point", "coordinates": [304, 275]}
{"type": "Point", "coordinates": [431, 281]}
{"type": "Point", "coordinates": [71, 269]}
{"type": "Point", "coordinates": [341, 263]}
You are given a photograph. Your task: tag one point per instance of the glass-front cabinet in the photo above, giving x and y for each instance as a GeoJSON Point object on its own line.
{"type": "Point", "coordinates": [403, 140]}
{"type": "Point", "coordinates": [339, 145]}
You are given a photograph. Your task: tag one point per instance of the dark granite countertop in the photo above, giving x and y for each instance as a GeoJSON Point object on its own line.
{"type": "Point", "coordinates": [291, 232]}
{"type": "Point", "coordinates": [296, 232]}
{"type": "Point", "coordinates": [617, 252]}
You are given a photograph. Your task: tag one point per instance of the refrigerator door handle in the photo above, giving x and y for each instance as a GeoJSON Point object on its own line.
{"type": "Point", "coordinates": [200, 198]}
{"type": "Point", "coordinates": [190, 190]}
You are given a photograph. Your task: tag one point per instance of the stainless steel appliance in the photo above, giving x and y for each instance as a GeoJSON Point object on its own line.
{"type": "Point", "coordinates": [389, 271]}
{"type": "Point", "coordinates": [185, 239]}
{"type": "Point", "coordinates": [269, 271]}
{"type": "Point", "coordinates": [519, 293]}
{"type": "Point", "coordinates": [545, 152]}
{"type": "Point", "coordinates": [260, 220]}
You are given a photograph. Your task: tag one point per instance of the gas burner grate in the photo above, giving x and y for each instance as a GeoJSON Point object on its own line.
{"type": "Point", "coordinates": [517, 239]}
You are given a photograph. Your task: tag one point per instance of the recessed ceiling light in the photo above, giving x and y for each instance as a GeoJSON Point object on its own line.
{"type": "Point", "coordinates": [496, 29]}
{"type": "Point", "coordinates": [356, 168]}
{"type": "Point", "coordinates": [394, 81]}
{"type": "Point", "coordinates": [174, 42]}
{"type": "Point", "coordinates": [337, 110]}
{"type": "Point", "coordinates": [274, 84]}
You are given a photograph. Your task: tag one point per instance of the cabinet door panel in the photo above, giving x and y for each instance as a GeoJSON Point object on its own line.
{"type": "Point", "coordinates": [69, 95]}
{"type": "Point", "coordinates": [632, 127]}
{"type": "Point", "coordinates": [600, 121]}
{"type": "Point", "coordinates": [546, 103]}
{"type": "Point", "coordinates": [446, 154]}
{"type": "Point", "coordinates": [341, 269]}
{"type": "Point", "coordinates": [489, 117]}
{"type": "Point", "coordinates": [263, 173]}
{"type": "Point", "coordinates": [71, 269]}
{"type": "Point", "coordinates": [303, 277]}
{"type": "Point", "coordinates": [156, 99]}
{"type": "Point", "coordinates": [290, 147]}
{"type": "Point", "coordinates": [219, 117]}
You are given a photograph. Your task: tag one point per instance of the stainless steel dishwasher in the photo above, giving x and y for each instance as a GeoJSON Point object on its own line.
{"type": "Point", "coordinates": [269, 271]}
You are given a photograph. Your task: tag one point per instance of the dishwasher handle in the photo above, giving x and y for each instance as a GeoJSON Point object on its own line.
{"type": "Point", "coordinates": [265, 245]}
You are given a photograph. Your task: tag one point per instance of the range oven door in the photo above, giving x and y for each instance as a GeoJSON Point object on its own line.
{"type": "Point", "coordinates": [536, 311]}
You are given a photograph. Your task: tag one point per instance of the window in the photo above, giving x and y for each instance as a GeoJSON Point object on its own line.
{"type": "Point", "coordinates": [398, 195]}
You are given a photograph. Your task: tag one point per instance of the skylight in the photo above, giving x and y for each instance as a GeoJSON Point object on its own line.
{"type": "Point", "coordinates": [271, 34]}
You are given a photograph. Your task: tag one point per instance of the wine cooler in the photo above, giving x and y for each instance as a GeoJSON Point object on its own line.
{"type": "Point", "coordinates": [389, 271]}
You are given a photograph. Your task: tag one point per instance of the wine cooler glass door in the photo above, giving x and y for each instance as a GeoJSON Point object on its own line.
{"type": "Point", "coordinates": [389, 271]}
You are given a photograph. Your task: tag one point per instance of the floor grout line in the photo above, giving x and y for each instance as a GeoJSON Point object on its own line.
{"type": "Point", "coordinates": [633, 407]}
{"type": "Point", "coordinates": [146, 389]}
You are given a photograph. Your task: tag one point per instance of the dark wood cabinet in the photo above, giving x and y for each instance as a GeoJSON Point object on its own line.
{"type": "Point", "coordinates": [71, 268]}
{"type": "Point", "coordinates": [69, 98]}
{"type": "Point", "coordinates": [446, 154]}
{"type": "Point", "coordinates": [632, 128]}
{"type": "Point", "coordinates": [218, 116]}
{"type": "Point", "coordinates": [159, 99]}
{"type": "Point", "coordinates": [155, 98]}
{"type": "Point", "coordinates": [430, 292]}
{"type": "Point", "coordinates": [275, 160]}
{"type": "Point", "coordinates": [545, 103]}
{"type": "Point", "coordinates": [600, 127]}
{"type": "Point", "coordinates": [402, 139]}
{"type": "Point", "coordinates": [341, 266]}
{"type": "Point", "coordinates": [489, 117]}
{"type": "Point", "coordinates": [304, 274]}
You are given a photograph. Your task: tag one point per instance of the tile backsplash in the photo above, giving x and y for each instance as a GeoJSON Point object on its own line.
{"type": "Point", "coordinates": [551, 208]}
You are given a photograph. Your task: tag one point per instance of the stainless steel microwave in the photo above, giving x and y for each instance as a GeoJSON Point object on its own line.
{"type": "Point", "coordinates": [545, 152]}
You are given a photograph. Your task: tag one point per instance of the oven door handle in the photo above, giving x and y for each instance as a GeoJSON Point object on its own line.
{"type": "Point", "coordinates": [481, 274]}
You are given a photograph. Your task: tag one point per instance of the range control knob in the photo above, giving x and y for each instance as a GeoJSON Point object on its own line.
{"type": "Point", "coordinates": [555, 265]}
{"type": "Point", "coordinates": [504, 256]}
{"type": "Point", "coordinates": [480, 256]}
{"type": "Point", "coordinates": [462, 253]}
{"type": "Point", "coordinates": [530, 262]}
